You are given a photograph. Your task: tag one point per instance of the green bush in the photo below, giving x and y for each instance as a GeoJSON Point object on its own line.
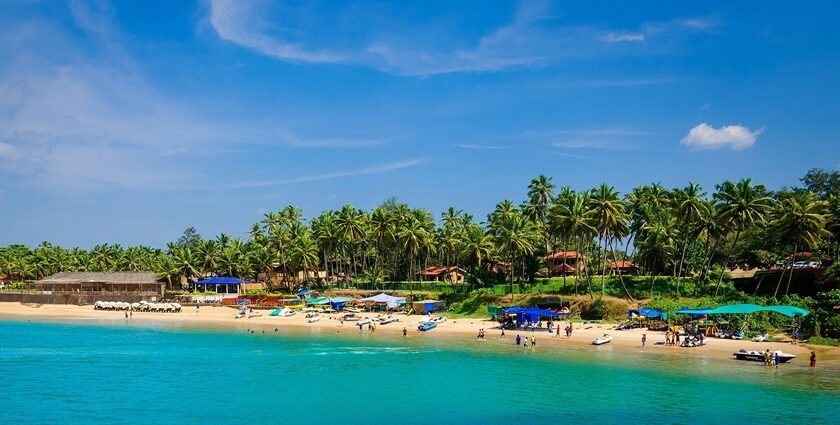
{"type": "Point", "coordinates": [820, 340]}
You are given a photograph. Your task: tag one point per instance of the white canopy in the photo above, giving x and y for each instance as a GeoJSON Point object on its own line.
{"type": "Point", "coordinates": [391, 302]}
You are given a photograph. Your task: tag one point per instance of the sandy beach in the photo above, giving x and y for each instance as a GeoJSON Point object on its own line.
{"type": "Point", "coordinates": [220, 317]}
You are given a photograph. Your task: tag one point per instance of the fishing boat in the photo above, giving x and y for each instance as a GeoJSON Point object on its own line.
{"type": "Point", "coordinates": [758, 356]}
{"type": "Point", "coordinates": [313, 319]}
{"type": "Point", "coordinates": [426, 326]}
{"type": "Point", "coordinates": [364, 321]}
{"type": "Point", "coordinates": [601, 340]}
{"type": "Point", "coordinates": [350, 317]}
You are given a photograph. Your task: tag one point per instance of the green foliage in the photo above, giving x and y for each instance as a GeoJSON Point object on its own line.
{"type": "Point", "coordinates": [820, 340]}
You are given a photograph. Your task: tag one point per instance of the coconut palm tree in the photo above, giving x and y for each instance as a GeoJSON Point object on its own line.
{"type": "Point", "coordinates": [656, 251]}
{"type": "Point", "coordinates": [800, 220]}
{"type": "Point", "coordinates": [742, 205]}
{"type": "Point", "coordinates": [610, 220]}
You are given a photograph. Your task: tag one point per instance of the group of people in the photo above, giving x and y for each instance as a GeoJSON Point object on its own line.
{"type": "Point", "coordinates": [481, 334]}
{"type": "Point", "coordinates": [672, 337]}
{"type": "Point", "coordinates": [524, 342]}
{"type": "Point", "coordinates": [568, 330]}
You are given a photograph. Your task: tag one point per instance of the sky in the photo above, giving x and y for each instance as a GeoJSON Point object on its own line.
{"type": "Point", "coordinates": [127, 122]}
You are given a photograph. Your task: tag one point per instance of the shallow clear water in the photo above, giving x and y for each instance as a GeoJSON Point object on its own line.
{"type": "Point", "coordinates": [134, 374]}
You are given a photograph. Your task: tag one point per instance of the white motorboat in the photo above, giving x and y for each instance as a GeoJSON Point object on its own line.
{"type": "Point", "coordinates": [764, 337]}
{"type": "Point", "coordinates": [252, 313]}
{"type": "Point", "coordinates": [387, 319]}
{"type": "Point", "coordinates": [603, 339]}
{"type": "Point", "coordinates": [239, 315]}
{"type": "Point", "coordinates": [438, 320]}
{"type": "Point", "coordinates": [758, 356]}
{"type": "Point", "coordinates": [364, 321]}
{"type": "Point", "coordinates": [313, 318]}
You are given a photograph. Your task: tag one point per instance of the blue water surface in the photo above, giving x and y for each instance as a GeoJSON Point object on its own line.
{"type": "Point", "coordinates": [89, 373]}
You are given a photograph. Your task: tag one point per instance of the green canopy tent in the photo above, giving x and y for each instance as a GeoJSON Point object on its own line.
{"type": "Point", "coordinates": [787, 310]}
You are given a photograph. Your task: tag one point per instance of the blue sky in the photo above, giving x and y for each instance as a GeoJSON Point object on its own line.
{"type": "Point", "coordinates": [126, 122]}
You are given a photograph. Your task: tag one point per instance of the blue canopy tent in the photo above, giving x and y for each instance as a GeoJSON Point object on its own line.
{"type": "Point", "coordinates": [694, 311]}
{"type": "Point", "coordinates": [338, 303]}
{"type": "Point", "coordinates": [647, 312]}
{"type": "Point", "coordinates": [532, 314]}
{"type": "Point", "coordinates": [225, 282]}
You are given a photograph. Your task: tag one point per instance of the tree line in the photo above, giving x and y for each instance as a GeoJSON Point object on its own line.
{"type": "Point", "coordinates": [679, 232]}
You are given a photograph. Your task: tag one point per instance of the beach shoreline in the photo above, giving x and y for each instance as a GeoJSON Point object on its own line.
{"type": "Point", "coordinates": [211, 317]}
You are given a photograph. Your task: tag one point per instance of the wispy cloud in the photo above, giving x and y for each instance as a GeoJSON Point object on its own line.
{"type": "Point", "coordinates": [591, 144]}
{"type": "Point", "coordinates": [590, 132]}
{"type": "Point", "coordinates": [480, 147]}
{"type": "Point", "coordinates": [532, 37]}
{"type": "Point", "coordinates": [375, 169]}
{"type": "Point", "coordinates": [618, 37]}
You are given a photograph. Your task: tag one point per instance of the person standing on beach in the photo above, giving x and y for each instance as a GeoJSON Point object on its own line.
{"type": "Point", "coordinates": [776, 359]}
{"type": "Point", "coordinates": [644, 339]}
{"type": "Point", "coordinates": [533, 341]}
{"type": "Point", "coordinates": [196, 308]}
{"type": "Point", "coordinates": [405, 332]}
{"type": "Point", "coordinates": [813, 360]}
{"type": "Point", "coordinates": [502, 335]}
{"type": "Point", "coordinates": [518, 340]}
{"type": "Point", "coordinates": [767, 357]}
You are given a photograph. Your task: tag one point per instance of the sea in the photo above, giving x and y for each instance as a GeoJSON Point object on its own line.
{"type": "Point", "coordinates": [146, 373]}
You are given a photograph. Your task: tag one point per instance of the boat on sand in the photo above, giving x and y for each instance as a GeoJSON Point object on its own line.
{"type": "Point", "coordinates": [426, 326]}
{"type": "Point", "coordinates": [603, 339]}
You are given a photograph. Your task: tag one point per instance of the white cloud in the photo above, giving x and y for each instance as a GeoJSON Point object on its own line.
{"type": "Point", "coordinates": [8, 152]}
{"type": "Point", "coordinates": [735, 137]}
{"type": "Point", "coordinates": [618, 37]}
{"type": "Point", "coordinates": [375, 169]}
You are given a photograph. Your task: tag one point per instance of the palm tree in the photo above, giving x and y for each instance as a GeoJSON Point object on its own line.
{"type": "Point", "coordinates": [516, 237]}
{"type": "Point", "coordinates": [799, 219]}
{"type": "Point", "coordinates": [413, 238]}
{"type": "Point", "coordinates": [305, 254]}
{"type": "Point", "coordinates": [656, 250]}
{"type": "Point", "coordinates": [689, 206]}
{"type": "Point", "coordinates": [742, 205]}
{"type": "Point", "coordinates": [608, 213]}
{"type": "Point", "coordinates": [573, 219]}
{"type": "Point", "coordinates": [478, 245]}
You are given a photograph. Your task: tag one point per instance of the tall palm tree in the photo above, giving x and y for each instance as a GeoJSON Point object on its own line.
{"type": "Point", "coordinates": [690, 209]}
{"type": "Point", "coordinates": [742, 205]}
{"type": "Point", "coordinates": [656, 251]}
{"type": "Point", "coordinates": [799, 219]}
{"type": "Point", "coordinates": [610, 220]}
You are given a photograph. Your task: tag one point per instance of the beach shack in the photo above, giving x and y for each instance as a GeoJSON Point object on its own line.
{"type": "Point", "coordinates": [383, 301]}
{"type": "Point", "coordinates": [447, 274]}
{"type": "Point", "coordinates": [223, 286]}
{"type": "Point", "coordinates": [103, 283]}
{"type": "Point", "coordinates": [428, 306]}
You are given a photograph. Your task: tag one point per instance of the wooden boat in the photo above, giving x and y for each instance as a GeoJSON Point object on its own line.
{"type": "Point", "coordinates": [601, 340]}
{"type": "Point", "coordinates": [350, 317]}
{"type": "Point", "coordinates": [426, 326]}
{"type": "Point", "coordinates": [758, 356]}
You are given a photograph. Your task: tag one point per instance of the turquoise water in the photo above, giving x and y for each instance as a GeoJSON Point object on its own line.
{"type": "Point", "coordinates": [52, 373]}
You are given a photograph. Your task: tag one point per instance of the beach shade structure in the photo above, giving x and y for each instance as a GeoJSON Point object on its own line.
{"type": "Point", "coordinates": [532, 314]}
{"type": "Point", "coordinates": [648, 313]}
{"type": "Point", "coordinates": [217, 282]}
{"type": "Point", "coordinates": [786, 310]}
{"type": "Point", "coordinates": [383, 298]}
{"type": "Point", "coordinates": [338, 303]}
{"type": "Point", "coordinates": [318, 300]}
{"type": "Point", "coordinates": [694, 311]}
{"type": "Point", "coordinates": [428, 306]}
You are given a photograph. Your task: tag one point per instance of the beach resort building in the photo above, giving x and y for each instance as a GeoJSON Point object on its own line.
{"type": "Point", "coordinates": [566, 262]}
{"type": "Point", "coordinates": [623, 267]}
{"type": "Point", "coordinates": [447, 274]}
{"type": "Point", "coordinates": [103, 283]}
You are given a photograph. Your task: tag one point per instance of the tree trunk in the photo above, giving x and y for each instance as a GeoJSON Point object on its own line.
{"type": "Point", "coordinates": [726, 262]}
{"type": "Point", "coordinates": [620, 277]}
